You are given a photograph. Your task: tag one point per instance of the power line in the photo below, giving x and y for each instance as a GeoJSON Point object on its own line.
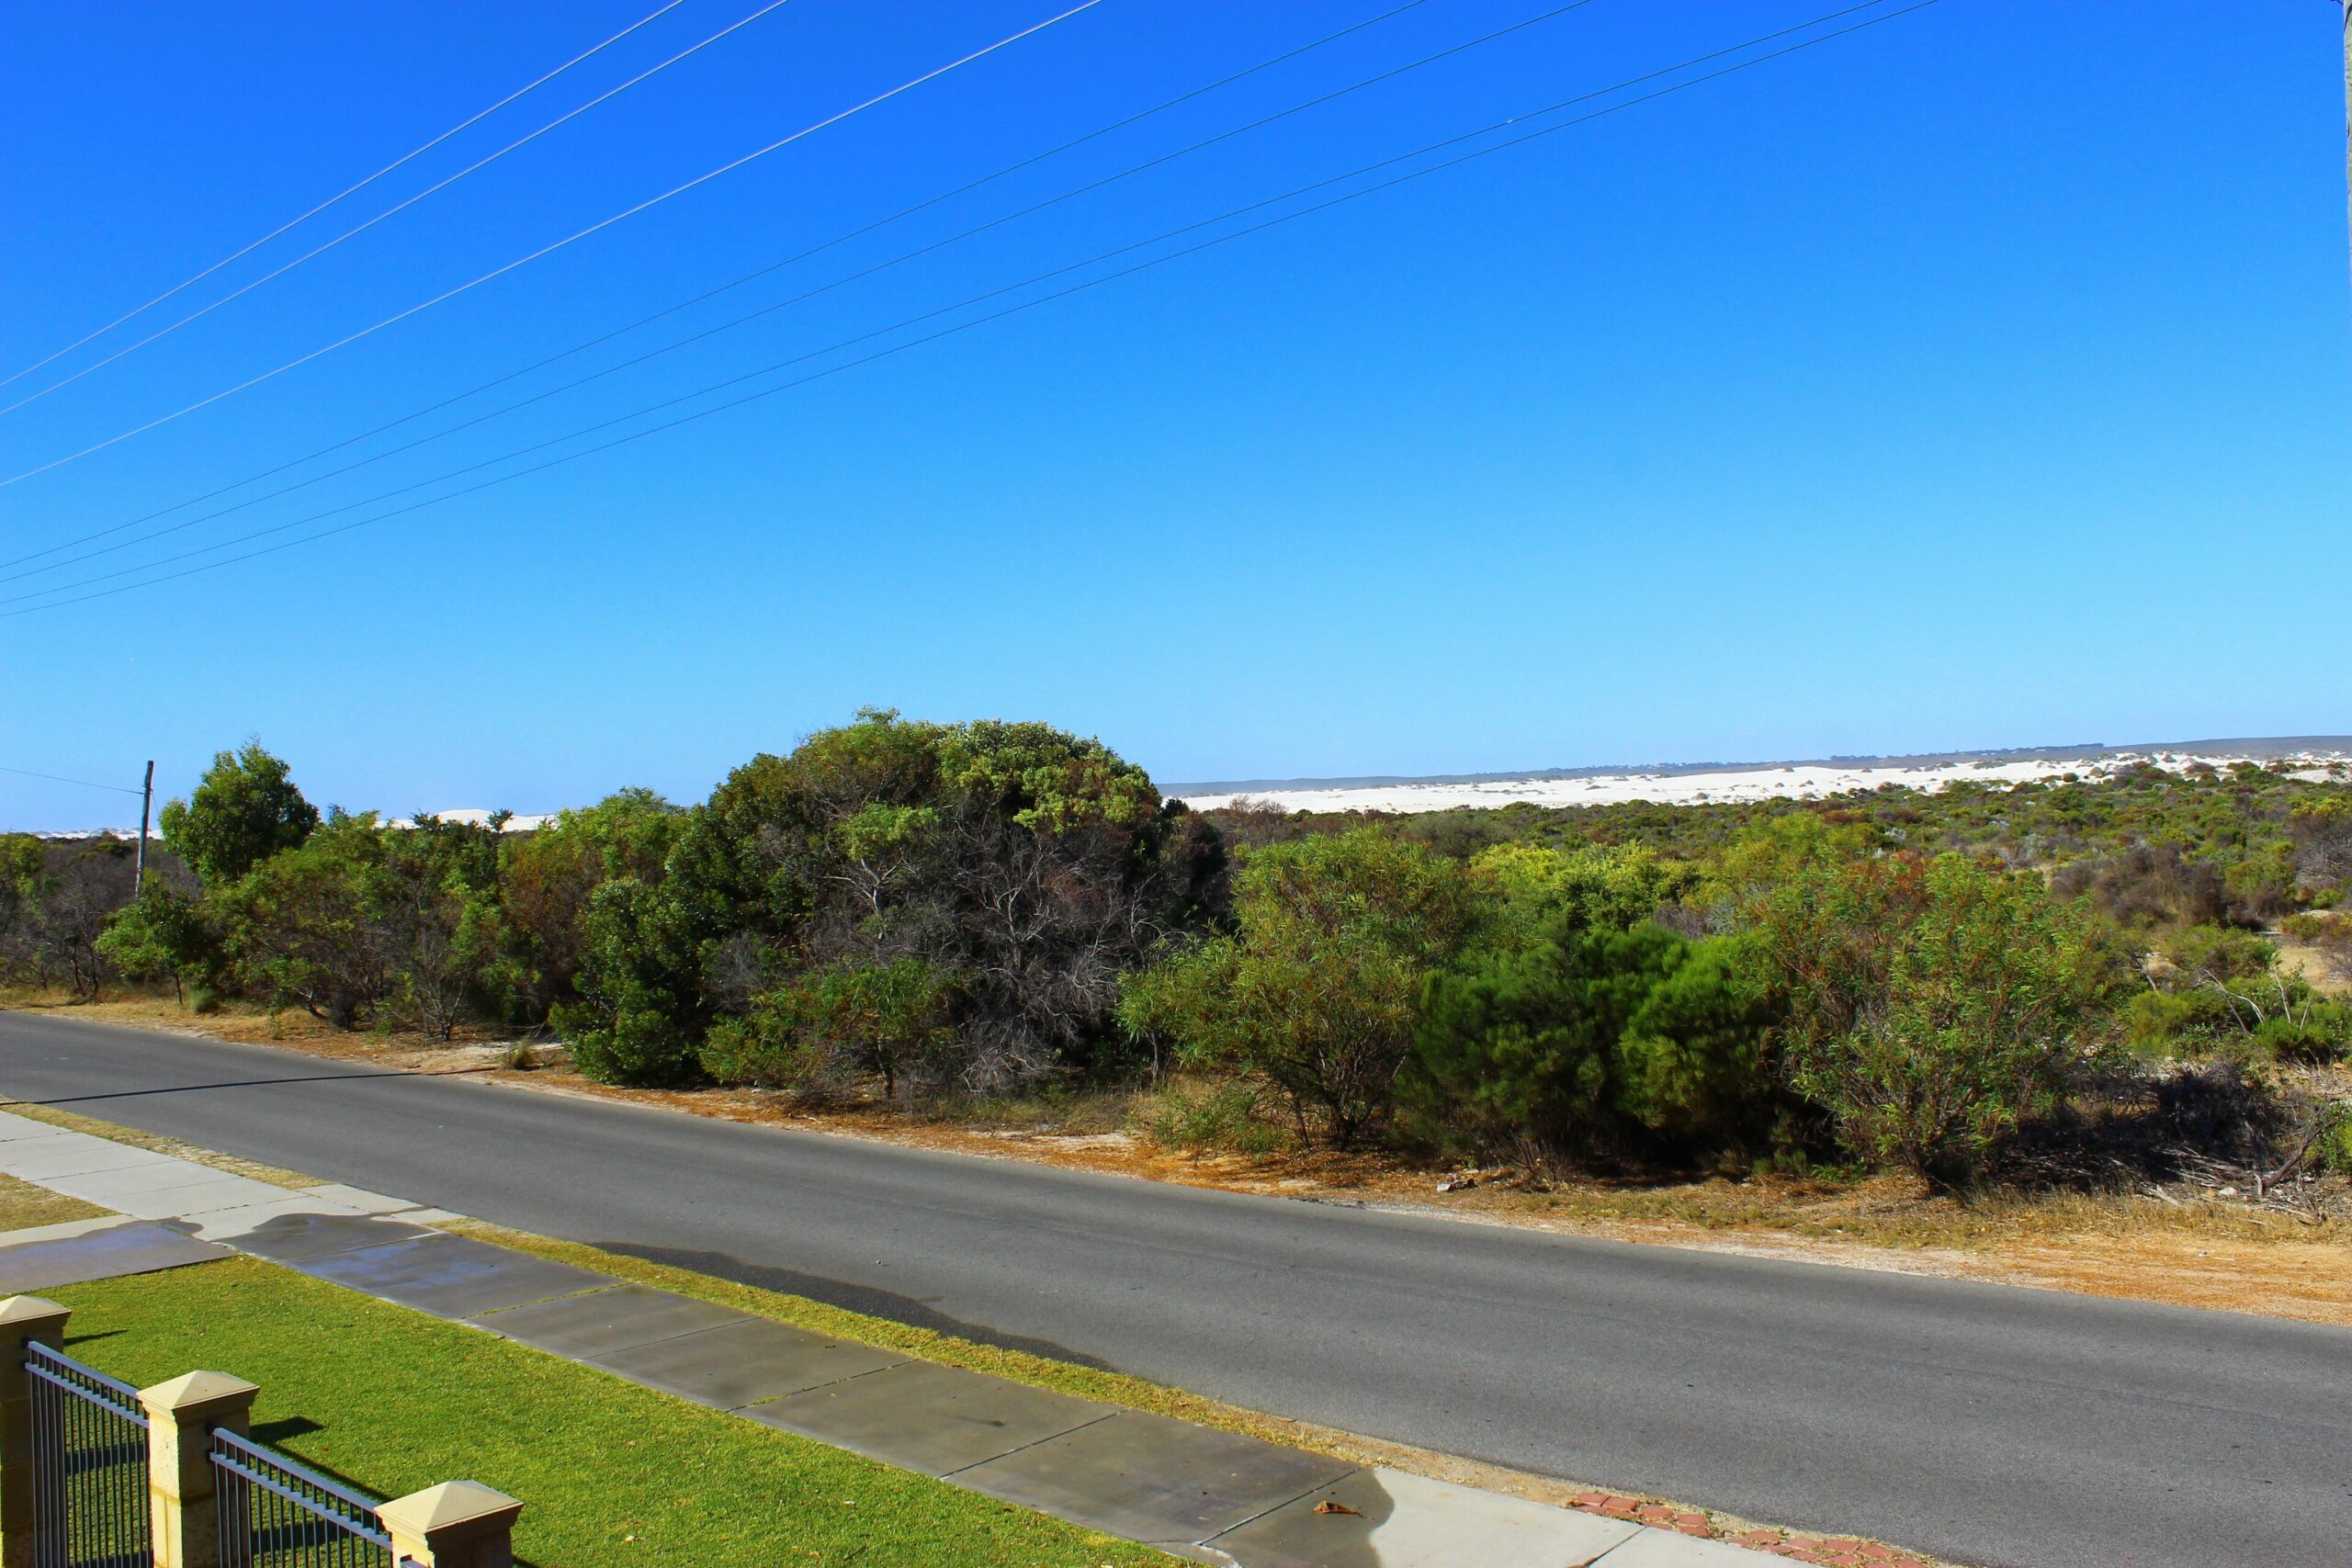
{"type": "Point", "coordinates": [395, 209]}
{"type": "Point", "coordinates": [962, 304]}
{"type": "Point", "coordinates": [85, 784]}
{"type": "Point", "coordinates": [570, 239]}
{"type": "Point", "coordinates": [703, 297]}
{"type": "Point", "coordinates": [782, 304]}
{"type": "Point", "coordinates": [347, 190]}
{"type": "Point", "coordinates": [1009, 310]}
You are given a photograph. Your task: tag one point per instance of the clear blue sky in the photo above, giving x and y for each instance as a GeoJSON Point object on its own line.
{"type": "Point", "coordinates": [1978, 380]}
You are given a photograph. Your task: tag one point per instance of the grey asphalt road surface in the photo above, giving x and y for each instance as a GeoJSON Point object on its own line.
{"type": "Point", "coordinates": [1985, 1424]}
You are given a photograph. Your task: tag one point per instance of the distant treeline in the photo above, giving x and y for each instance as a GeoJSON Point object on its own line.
{"type": "Point", "coordinates": [924, 910]}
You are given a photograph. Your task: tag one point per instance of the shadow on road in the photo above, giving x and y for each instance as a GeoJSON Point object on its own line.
{"type": "Point", "coordinates": [850, 1297]}
{"type": "Point", "coordinates": [207, 1087]}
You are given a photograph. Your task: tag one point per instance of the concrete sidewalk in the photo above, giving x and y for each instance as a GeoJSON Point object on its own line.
{"type": "Point", "coordinates": [1191, 1491]}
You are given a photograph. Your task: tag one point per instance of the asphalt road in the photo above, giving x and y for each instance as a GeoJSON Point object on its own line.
{"type": "Point", "coordinates": [1982, 1422]}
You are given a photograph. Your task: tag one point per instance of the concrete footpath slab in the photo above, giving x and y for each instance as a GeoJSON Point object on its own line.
{"type": "Point", "coordinates": [297, 1237]}
{"type": "Point", "coordinates": [214, 1194]}
{"type": "Point", "coordinates": [61, 1230]}
{"type": "Point", "coordinates": [49, 1160]}
{"type": "Point", "coordinates": [449, 1276]}
{"type": "Point", "coordinates": [162, 1177]}
{"type": "Point", "coordinates": [102, 1252]}
{"type": "Point", "coordinates": [360, 1199]}
{"type": "Point", "coordinates": [1195, 1491]}
{"type": "Point", "coordinates": [1664, 1549]}
{"type": "Point", "coordinates": [245, 1216]}
{"type": "Point", "coordinates": [1152, 1479]}
{"type": "Point", "coordinates": [1395, 1520]}
{"type": "Point", "coordinates": [742, 1363]}
{"type": "Point", "coordinates": [924, 1417]}
{"type": "Point", "coordinates": [605, 1322]}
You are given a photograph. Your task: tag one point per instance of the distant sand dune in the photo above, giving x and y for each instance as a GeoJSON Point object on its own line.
{"type": "Point", "coordinates": [2316, 757]}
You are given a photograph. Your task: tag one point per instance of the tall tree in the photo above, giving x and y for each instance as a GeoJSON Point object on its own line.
{"type": "Point", "coordinates": [244, 810]}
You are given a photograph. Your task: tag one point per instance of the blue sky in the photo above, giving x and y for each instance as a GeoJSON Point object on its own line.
{"type": "Point", "coordinates": [1976, 379]}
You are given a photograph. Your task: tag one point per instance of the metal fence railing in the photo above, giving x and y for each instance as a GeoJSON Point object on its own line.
{"type": "Point", "coordinates": [89, 1464]}
{"type": "Point", "coordinates": [275, 1514]}
{"type": "Point", "coordinates": [101, 1474]}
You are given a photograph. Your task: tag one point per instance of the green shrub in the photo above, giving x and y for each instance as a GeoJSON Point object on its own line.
{"type": "Point", "coordinates": [1227, 1116]}
{"type": "Point", "coordinates": [164, 936]}
{"type": "Point", "coordinates": [2334, 1149]}
{"type": "Point", "coordinates": [825, 1026]}
{"type": "Point", "coordinates": [2319, 1036]}
{"type": "Point", "coordinates": [1695, 1062]}
{"type": "Point", "coordinates": [1595, 1036]}
{"type": "Point", "coordinates": [2158, 1024]}
{"type": "Point", "coordinates": [638, 1011]}
{"type": "Point", "coordinates": [1317, 994]}
{"type": "Point", "coordinates": [1934, 1005]}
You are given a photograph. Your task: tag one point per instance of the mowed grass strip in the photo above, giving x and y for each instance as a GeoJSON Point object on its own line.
{"type": "Point", "coordinates": [390, 1400]}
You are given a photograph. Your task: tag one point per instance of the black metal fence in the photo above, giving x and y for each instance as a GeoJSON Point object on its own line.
{"type": "Point", "coordinates": [275, 1514]}
{"type": "Point", "coordinates": [89, 1463]}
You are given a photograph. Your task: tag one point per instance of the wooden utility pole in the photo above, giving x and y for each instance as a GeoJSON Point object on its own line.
{"type": "Point", "coordinates": [146, 803]}
{"type": "Point", "coordinates": [2347, 115]}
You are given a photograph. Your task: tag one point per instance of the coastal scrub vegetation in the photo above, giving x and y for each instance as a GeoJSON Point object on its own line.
{"type": "Point", "coordinates": [2051, 981]}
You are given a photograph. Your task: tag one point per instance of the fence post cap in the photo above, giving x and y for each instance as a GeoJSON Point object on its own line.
{"type": "Point", "coordinates": [452, 1509]}
{"type": "Point", "coordinates": [20, 1312]}
{"type": "Point", "coordinates": [193, 1395]}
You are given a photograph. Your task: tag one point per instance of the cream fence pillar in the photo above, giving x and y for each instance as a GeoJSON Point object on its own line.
{"type": "Point", "coordinates": [24, 1320]}
{"type": "Point", "coordinates": [181, 1480]}
{"type": "Point", "coordinates": [459, 1524]}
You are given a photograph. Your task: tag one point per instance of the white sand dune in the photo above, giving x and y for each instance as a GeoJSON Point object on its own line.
{"type": "Point", "coordinates": [1800, 781]}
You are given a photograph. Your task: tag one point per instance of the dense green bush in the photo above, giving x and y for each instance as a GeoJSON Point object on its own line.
{"type": "Point", "coordinates": [2318, 1033]}
{"type": "Point", "coordinates": [1697, 1061]}
{"type": "Point", "coordinates": [637, 1019]}
{"type": "Point", "coordinates": [544, 880]}
{"type": "Point", "coordinates": [1598, 1038]}
{"type": "Point", "coordinates": [1213, 1113]}
{"type": "Point", "coordinates": [992, 911]}
{"type": "Point", "coordinates": [163, 935]}
{"type": "Point", "coordinates": [1317, 992]}
{"type": "Point", "coordinates": [298, 927]}
{"type": "Point", "coordinates": [2210, 989]}
{"type": "Point", "coordinates": [1934, 1005]}
{"type": "Point", "coordinates": [2333, 1148]}
{"type": "Point", "coordinates": [826, 1028]}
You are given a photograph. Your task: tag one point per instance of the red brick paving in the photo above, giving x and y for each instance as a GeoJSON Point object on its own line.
{"type": "Point", "coordinates": [1825, 1552]}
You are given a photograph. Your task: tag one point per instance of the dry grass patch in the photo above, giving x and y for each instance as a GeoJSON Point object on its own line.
{"type": "Point", "coordinates": [24, 1206]}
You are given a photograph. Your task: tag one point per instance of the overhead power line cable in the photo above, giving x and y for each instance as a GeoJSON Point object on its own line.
{"type": "Point", "coordinates": [399, 207]}
{"type": "Point", "coordinates": [770, 369]}
{"type": "Point", "coordinates": [707, 295]}
{"type": "Point", "coordinates": [350, 190]}
{"type": "Point", "coordinates": [768, 310]}
{"type": "Point", "coordinates": [549, 248]}
{"type": "Point", "coordinates": [1080, 288]}
{"type": "Point", "coordinates": [84, 783]}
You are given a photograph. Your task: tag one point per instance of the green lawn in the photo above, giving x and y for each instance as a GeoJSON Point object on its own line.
{"type": "Point", "coordinates": [391, 1400]}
